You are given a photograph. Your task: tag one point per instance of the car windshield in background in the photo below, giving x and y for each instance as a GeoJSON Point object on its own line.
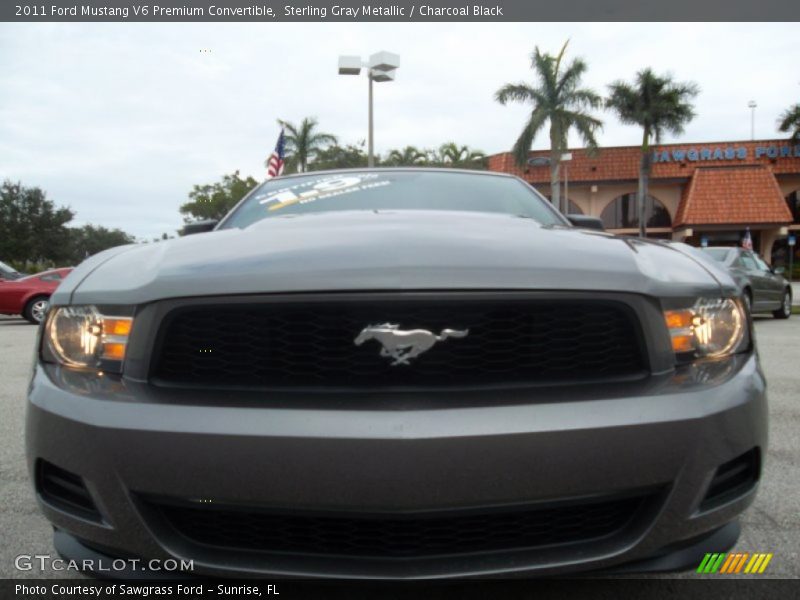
{"type": "Point", "coordinates": [719, 254]}
{"type": "Point", "coordinates": [392, 190]}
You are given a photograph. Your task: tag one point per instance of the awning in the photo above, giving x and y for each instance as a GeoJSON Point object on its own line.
{"type": "Point", "coordinates": [742, 195]}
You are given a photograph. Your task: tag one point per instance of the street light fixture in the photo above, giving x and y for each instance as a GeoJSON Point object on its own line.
{"type": "Point", "coordinates": [380, 67]}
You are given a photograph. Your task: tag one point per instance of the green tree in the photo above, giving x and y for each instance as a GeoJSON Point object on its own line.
{"type": "Point", "coordinates": [453, 155]}
{"type": "Point", "coordinates": [214, 200]}
{"type": "Point", "coordinates": [351, 156]}
{"type": "Point", "coordinates": [91, 239]}
{"type": "Point", "coordinates": [303, 142]}
{"type": "Point", "coordinates": [789, 122]}
{"type": "Point", "coordinates": [657, 104]}
{"type": "Point", "coordinates": [434, 157]}
{"type": "Point", "coordinates": [32, 228]}
{"type": "Point", "coordinates": [559, 99]}
{"type": "Point", "coordinates": [406, 157]}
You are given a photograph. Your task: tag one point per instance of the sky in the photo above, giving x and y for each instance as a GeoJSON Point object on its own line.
{"type": "Point", "coordinates": [119, 120]}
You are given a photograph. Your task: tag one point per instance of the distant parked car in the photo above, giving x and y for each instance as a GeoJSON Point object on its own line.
{"type": "Point", "coordinates": [30, 296]}
{"type": "Point", "coordinates": [8, 273]}
{"type": "Point", "coordinates": [765, 289]}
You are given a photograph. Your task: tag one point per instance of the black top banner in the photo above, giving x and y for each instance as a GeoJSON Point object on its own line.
{"type": "Point", "coordinates": [399, 10]}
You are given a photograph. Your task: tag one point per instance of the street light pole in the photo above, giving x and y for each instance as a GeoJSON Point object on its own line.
{"type": "Point", "coordinates": [380, 67]}
{"type": "Point", "coordinates": [371, 128]}
{"type": "Point", "coordinates": [565, 158]}
{"type": "Point", "coordinates": [752, 105]}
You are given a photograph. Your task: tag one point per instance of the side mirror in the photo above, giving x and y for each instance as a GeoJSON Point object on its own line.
{"type": "Point", "coordinates": [199, 226]}
{"type": "Point", "coordinates": [779, 270]}
{"type": "Point", "coordinates": [585, 222]}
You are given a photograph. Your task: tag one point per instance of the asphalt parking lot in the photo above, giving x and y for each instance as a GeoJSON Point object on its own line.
{"type": "Point", "coordinates": [772, 524]}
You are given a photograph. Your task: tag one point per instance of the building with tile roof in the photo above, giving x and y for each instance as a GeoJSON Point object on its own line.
{"type": "Point", "coordinates": [706, 193]}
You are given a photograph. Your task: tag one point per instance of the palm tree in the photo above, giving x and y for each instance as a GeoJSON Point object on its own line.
{"type": "Point", "coordinates": [303, 142]}
{"type": "Point", "coordinates": [657, 104]}
{"type": "Point", "coordinates": [790, 121]}
{"type": "Point", "coordinates": [454, 155]}
{"type": "Point", "coordinates": [408, 156]}
{"type": "Point", "coordinates": [559, 99]}
{"type": "Point", "coordinates": [433, 157]}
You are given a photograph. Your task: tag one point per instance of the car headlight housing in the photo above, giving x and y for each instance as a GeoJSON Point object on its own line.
{"type": "Point", "coordinates": [86, 337]}
{"type": "Point", "coordinates": [711, 328]}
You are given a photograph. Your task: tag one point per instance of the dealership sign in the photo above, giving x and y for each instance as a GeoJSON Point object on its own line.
{"type": "Point", "coordinates": [714, 153]}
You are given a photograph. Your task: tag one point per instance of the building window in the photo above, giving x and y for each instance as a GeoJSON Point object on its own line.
{"type": "Point", "coordinates": [793, 200]}
{"type": "Point", "coordinates": [623, 213]}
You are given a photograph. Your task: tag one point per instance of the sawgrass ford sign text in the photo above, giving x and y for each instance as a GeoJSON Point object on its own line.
{"type": "Point", "coordinates": [713, 153]}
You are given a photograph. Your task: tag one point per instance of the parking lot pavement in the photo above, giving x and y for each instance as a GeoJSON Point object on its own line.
{"type": "Point", "coordinates": [771, 525]}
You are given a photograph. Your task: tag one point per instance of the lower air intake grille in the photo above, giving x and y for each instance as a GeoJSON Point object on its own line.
{"type": "Point", "coordinates": [733, 479]}
{"type": "Point", "coordinates": [288, 345]}
{"type": "Point", "coordinates": [65, 490]}
{"type": "Point", "coordinates": [403, 535]}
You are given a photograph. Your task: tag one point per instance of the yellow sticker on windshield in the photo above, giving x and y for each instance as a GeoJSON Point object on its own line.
{"type": "Point", "coordinates": [325, 188]}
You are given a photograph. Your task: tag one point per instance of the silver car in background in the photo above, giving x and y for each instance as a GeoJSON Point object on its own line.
{"type": "Point", "coordinates": [765, 289]}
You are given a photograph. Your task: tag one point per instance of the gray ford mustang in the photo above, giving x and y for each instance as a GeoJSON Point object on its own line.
{"type": "Point", "coordinates": [397, 373]}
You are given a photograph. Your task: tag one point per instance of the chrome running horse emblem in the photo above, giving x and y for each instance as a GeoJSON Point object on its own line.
{"type": "Point", "coordinates": [401, 345]}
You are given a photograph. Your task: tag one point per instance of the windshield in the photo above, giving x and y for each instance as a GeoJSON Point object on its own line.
{"type": "Point", "coordinates": [392, 190]}
{"type": "Point", "coordinates": [719, 254]}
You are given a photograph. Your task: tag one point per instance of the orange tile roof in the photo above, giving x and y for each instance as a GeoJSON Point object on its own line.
{"type": "Point", "coordinates": [744, 195]}
{"type": "Point", "coordinates": [621, 163]}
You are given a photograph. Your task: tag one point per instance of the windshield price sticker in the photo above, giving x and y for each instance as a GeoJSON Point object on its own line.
{"type": "Point", "coordinates": [319, 189]}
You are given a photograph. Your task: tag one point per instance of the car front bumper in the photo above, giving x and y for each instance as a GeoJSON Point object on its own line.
{"type": "Point", "coordinates": [400, 455]}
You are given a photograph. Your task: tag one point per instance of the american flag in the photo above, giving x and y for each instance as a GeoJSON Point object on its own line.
{"type": "Point", "coordinates": [747, 241]}
{"type": "Point", "coordinates": [276, 161]}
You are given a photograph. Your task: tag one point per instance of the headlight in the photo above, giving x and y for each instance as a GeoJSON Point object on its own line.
{"type": "Point", "coordinates": [81, 336]}
{"type": "Point", "coordinates": [711, 328]}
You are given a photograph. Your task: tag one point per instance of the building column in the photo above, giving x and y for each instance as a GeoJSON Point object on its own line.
{"type": "Point", "coordinates": [768, 238]}
{"type": "Point", "coordinates": [680, 235]}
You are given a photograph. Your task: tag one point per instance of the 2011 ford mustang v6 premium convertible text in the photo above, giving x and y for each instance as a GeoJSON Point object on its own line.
{"type": "Point", "coordinates": [397, 373]}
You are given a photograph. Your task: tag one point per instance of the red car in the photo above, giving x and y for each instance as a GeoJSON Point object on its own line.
{"type": "Point", "coordinates": [29, 296]}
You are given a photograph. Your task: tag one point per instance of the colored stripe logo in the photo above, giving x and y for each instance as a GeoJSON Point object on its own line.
{"type": "Point", "coordinates": [734, 563]}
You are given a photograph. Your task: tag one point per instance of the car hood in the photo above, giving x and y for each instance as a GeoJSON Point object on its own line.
{"type": "Point", "coordinates": [399, 250]}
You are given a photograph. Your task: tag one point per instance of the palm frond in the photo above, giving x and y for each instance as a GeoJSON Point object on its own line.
{"type": "Point", "coordinates": [525, 140]}
{"type": "Point", "coordinates": [320, 139]}
{"type": "Point", "coordinates": [586, 98]}
{"type": "Point", "coordinates": [587, 127]}
{"type": "Point", "coordinates": [519, 92]}
{"type": "Point", "coordinates": [544, 66]}
{"type": "Point", "coordinates": [789, 121]}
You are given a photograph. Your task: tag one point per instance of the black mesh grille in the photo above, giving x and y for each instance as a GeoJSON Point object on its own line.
{"type": "Point", "coordinates": [307, 345]}
{"type": "Point", "coordinates": [404, 535]}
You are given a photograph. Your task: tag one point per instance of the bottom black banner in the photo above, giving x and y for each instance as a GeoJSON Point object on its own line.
{"type": "Point", "coordinates": [708, 589]}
